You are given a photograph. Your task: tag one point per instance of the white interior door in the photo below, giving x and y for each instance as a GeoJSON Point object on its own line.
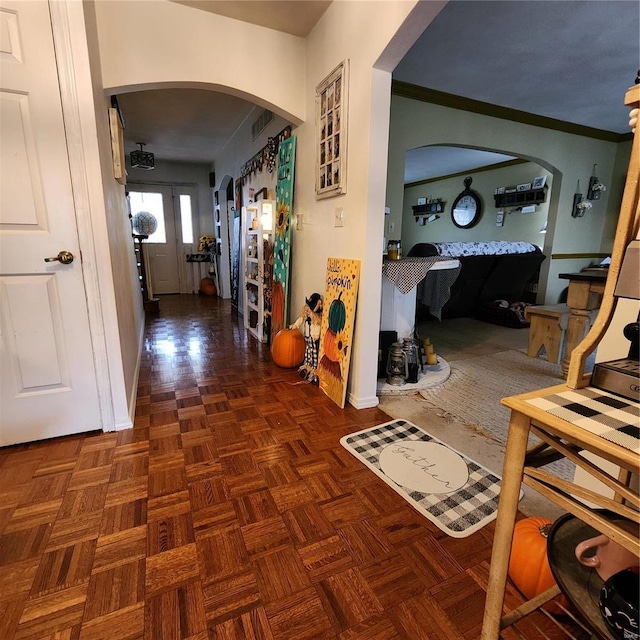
{"type": "Point", "coordinates": [47, 375]}
{"type": "Point", "coordinates": [160, 247]}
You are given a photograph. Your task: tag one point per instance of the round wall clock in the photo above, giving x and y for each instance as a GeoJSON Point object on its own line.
{"type": "Point", "coordinates": [466, 208]}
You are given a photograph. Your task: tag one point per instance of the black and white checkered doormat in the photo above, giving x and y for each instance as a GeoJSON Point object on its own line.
{"type": "Point", "coordinates": [459, 503]}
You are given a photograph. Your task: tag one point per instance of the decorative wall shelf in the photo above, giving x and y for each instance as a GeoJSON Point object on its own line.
{"type": "Point", "coordinates": [520, 198]}
{"type": "Point", "coordinates": [428, 209]}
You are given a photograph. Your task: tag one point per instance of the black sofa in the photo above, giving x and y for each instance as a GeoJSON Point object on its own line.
{"type": "Point", "coordinates": [484, 277]}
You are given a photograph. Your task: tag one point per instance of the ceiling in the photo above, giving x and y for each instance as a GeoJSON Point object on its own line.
{"type": "Point", "coordinates": [567, 60]}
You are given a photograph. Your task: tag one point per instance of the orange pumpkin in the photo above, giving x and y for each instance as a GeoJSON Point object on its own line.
{"type": "Point", "coordinates": [287, 349]}
{"type": "Point", "coordinates": [528, 565]}
{"type": "Point", "coordinates": [208, 287]}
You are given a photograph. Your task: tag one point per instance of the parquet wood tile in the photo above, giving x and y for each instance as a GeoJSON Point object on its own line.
{"type": "Point", "coordinates": [175, 614]}
{"type": "Point", "coordinates": [279, 573]}
{"type": "Point", "coordinates": [299, 616]}
{"type": "Point", "coordinates": [123, 624]}
{"type": "Point", "coordinates": [52, 613]}
{"type": "Point", "coordinates": [392, 580]}
{"type": "Point", "coordinates": [33, 515]}
{"type": "Point", "coordinates": [253, 624]}
{"type": "Point", "coordinates": [347, 598]}
{"type": "Point", "coordinates": [171, 569]}
{"type": "Point", "coordinates": [120, 548]}
{"type": "Point", "coordinates": [115, 588]}
{"type": "Point", "coordinates": [231, 597]}
{"type": "Point", "coordinates": [230, 511]}
{"type": "Point", "coordinates": [325, 557]}
{"type": "Point", "coordinates": [64, 567]}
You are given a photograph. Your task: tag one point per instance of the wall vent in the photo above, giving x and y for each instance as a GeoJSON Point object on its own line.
{"type": "Point", "coordinates": [263, 120]}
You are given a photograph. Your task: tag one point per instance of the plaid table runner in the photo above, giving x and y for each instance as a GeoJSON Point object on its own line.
{"type": "Point", "coordinates": [611, 417]}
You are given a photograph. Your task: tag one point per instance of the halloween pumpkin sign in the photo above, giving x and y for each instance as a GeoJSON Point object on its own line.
{"type": "Point", "coordinates": [341, 291]}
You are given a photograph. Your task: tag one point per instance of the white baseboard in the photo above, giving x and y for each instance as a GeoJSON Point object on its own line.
{"type": "Point", "coordinates": [363, 403]}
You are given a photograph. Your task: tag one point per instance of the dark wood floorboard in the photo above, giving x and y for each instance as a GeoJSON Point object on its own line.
{"type": "Point", "coordinates": [229, 511]}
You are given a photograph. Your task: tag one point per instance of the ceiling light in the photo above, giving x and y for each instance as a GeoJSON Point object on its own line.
{"type": "Point", "coordinates": [142, 159]}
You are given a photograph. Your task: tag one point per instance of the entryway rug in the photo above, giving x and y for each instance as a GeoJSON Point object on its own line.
{"type": "Point", "coordinates": [454, 492]}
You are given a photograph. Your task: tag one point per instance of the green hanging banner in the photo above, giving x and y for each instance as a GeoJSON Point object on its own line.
{"type": "Point", "coordinates": [282, 242]}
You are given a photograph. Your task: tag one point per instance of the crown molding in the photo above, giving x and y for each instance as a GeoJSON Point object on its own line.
{"type": "Point", "coordinates": [432, 96]}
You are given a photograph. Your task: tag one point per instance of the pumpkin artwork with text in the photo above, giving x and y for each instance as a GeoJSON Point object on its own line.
{"type": "Point", "coordinates": [341, 291]}
{"type": "Point", "coordinates": [333, 345]}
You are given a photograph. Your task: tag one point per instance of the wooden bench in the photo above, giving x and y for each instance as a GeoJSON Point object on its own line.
{"type": "Point", "coordinates": [545, 330]}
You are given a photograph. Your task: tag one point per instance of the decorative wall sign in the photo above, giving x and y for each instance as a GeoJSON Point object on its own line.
{"type": "Point", "coordinates": [117, 146]}
{"type": "Point", "coordinates": [332, 106]}
{"type": "Point", "coordinates": [282, 233]}
{"type": "Point", "coordinates": [336, 334]}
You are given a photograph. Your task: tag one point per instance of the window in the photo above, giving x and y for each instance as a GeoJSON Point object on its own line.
{"type": "Point", "coordinates": [186, 219]}
{"type": "Point", "coordinates": [151, 203]}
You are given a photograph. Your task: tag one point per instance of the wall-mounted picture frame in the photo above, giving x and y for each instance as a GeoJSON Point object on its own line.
{"type": "Point", "coordinates": [421, 201]}
{"type": "Point", "coordinates": [332, 109]}
{"type": "Point", "coordinates": [539, 182]}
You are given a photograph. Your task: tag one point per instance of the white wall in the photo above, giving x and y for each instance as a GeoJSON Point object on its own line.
{"type": "Point", "coordinates": [147, 44]}
{"type": "Point", "coordinates": [120, 299]}
{"type": "Point", "coordinates": [568, 156]}
{"type": "Point", "coordinates": [361, 32]}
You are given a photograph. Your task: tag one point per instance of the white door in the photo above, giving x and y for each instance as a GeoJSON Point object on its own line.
{"type": "Point", "coordinates": [175, 209]}
{"type": "Point", "coordinates": [47, 374]}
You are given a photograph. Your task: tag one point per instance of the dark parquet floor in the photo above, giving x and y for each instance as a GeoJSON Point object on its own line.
{"type": "Point", "coordinates": [229, 511]}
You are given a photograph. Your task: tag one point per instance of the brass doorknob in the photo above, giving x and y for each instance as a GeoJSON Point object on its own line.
{"type": "Point", "coordinates": [66, 257]}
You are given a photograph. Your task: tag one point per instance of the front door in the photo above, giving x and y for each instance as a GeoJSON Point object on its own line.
{"type": "Point", "coordinates": [47, 375]}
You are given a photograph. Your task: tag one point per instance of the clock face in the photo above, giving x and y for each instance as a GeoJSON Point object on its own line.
{"type": "Point", "coordinates": [465, 211]}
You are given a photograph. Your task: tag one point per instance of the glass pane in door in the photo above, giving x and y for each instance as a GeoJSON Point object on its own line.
{"type": "Point", "coordinates": [186, 221]}
{"type": "Point", "coordinates": [150, 203]}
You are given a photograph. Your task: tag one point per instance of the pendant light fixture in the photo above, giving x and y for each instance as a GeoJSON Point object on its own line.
{"type": "Point", "coordinates": [142, 159]}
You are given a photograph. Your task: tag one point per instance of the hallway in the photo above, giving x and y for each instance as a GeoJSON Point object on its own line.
{"type": "Point", "coordinates": [229, 511]}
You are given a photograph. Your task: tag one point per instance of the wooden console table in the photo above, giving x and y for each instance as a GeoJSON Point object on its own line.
{"type": "Point", "coordinates": [538, 412]}
{"type": "Point", "coordinates": [585, 294]}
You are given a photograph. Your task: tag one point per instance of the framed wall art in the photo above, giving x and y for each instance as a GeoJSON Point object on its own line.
{"type": "Point", "coordinates": [331, 132]}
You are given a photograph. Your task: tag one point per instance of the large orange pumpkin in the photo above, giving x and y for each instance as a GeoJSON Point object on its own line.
{"type": "Point", "coordinates": [287, 349]}
{"type": "Point", "coordinates": [208, 287]}
{"type": "Point", "coordinates": [528, 565]}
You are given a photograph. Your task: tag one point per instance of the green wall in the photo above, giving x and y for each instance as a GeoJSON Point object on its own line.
{"type": "Point", "coordinates": [566, 156]}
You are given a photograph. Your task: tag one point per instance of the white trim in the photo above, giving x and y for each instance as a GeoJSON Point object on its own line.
{"type": "Point", "coordinates": [62, 38]}
{"type": "Point", "coordinates": [363, 403]}
{"type": "Point", "coordinates": [128, 424]}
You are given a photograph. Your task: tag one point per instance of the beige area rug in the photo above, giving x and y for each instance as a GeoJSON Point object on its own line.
{"type": "Point", "coordinates": [475, 387]}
